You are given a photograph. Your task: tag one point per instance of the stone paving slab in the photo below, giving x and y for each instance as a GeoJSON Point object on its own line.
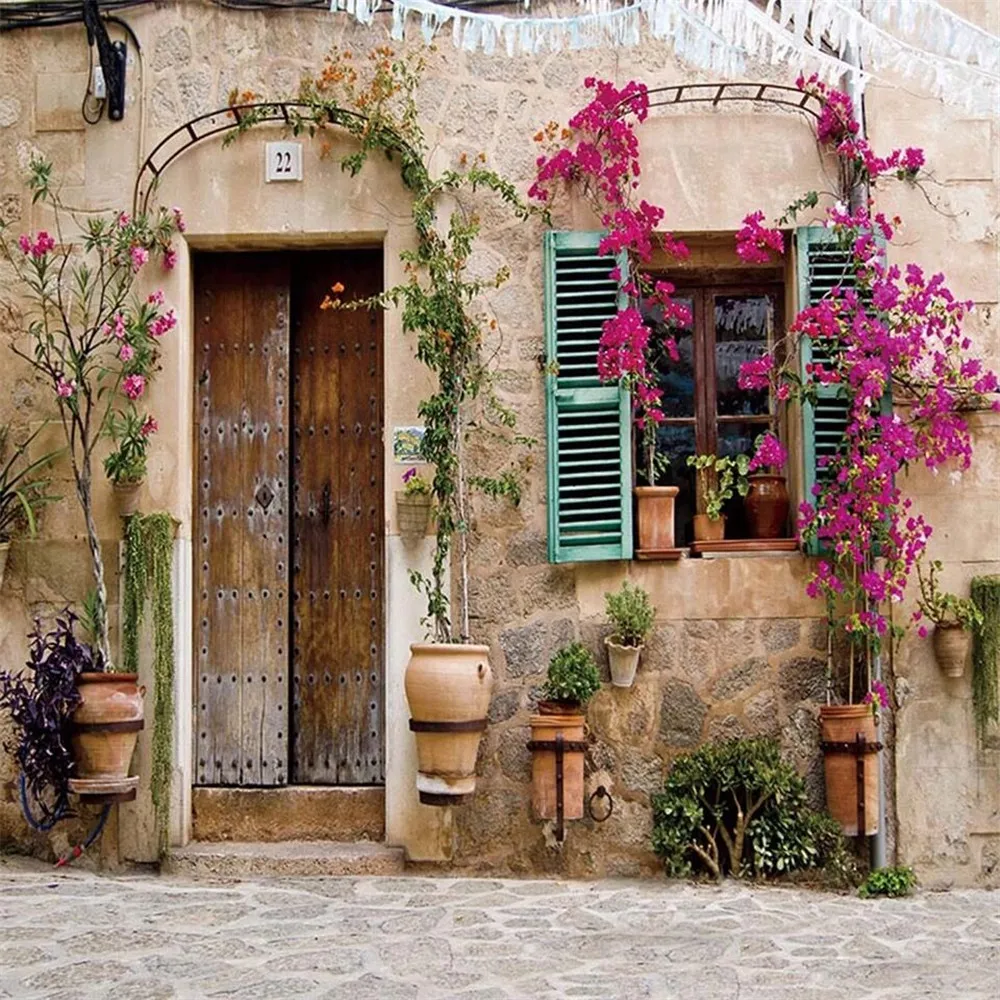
{"type": "Point", "coordinates": [81, 936]}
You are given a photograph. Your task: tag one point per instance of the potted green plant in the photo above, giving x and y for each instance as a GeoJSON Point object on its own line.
{"type": "Point", "coordinates": [954, 619]}
{"type": "Point", "coordinates": [719, 479]}
{"type": "Point", "coordinates": [631, 616]}
{"type": "Point", "coordinates": [125, 466]}
{"type": "Point", "coordinates": [413, 505]}
{"type": "Point", "coordinates": [22, 492]}
{"type": "Point", "coordinates": [573, 679]}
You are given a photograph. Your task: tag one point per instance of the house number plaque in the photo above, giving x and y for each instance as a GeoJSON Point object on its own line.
{"type": "Point", "coordinates": [283, 161]}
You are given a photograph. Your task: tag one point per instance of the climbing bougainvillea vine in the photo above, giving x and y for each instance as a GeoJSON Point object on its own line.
{"type": "Point", "coordinates": [601, 157]}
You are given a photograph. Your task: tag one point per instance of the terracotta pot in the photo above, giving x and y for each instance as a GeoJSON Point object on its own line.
{"type": "Point", "coordinates": [841, 724]}
{"type": "Point", "coordinates": [4, 552]}
{"type": "Point", "coordinates": [413, 513]}
{"type": "Point", "coordinates": [766, 505]}
{"type": "Point", "coordinates": [448, 687]}
{"type": "Point", "coordinates": [707, 530]}
{"type": "Point", "coordinates": [624, 661]}
{"type": "Point", "coordinates": [951, 648]}
{"type": "Point", "coordinates": [656, 516]}
{"type": "Point", "coordinates": [545, 728]}
{"type": "Point", "coordinates": [127, 498]}
{"type": "Point", "coordinates": [105, 726]}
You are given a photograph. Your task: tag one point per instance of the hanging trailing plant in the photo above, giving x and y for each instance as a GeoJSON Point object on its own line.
{"type": "Point", "coordinates": [376, 104]}
{"type": "Point", "coordinates": [985, 591]}
{"type": "Point", "coordinates": [148, 564]}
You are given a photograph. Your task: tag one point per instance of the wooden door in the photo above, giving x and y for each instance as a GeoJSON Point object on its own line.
{"type": "Point", "coordinates": [288, 591]}
{"type": "Point", "coordinates": [241, 523]}
{"type": "Point", "coordinates": [337, 530]}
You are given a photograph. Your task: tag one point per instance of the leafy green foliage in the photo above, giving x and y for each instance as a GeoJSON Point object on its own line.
{"type": "Point", "coordinates": [942, 608]}
{"type": "Point", "coordinates": [719, 477]}
{"type": "Point", "coordinates": [985, 591]}
{"type": "Point", "coordinates": [126, 464]}
{"type": "Point", "coordinates": [897, 881]}
{"type": "Point", "coordinates": [148, 565]}
{"type": "Point", "coordinates": [22, 491]}
{"type": "Point", "coordinates": [631, 614]}
{"type": "Point", "coordinates": [573, 675]}
{"type": "Point", "coordinates": [737, 808]}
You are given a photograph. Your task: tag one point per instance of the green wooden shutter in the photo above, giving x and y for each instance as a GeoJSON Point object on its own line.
{"type": "Point", "coordinates": [823, 265]}
{"type": "Point", "coordinates": [589, 425]}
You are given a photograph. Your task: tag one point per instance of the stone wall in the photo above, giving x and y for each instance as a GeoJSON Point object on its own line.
{"type": "Point", "coordinates": [738, 645]}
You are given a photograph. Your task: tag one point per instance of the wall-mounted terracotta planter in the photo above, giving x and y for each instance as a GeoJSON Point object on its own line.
{"type": "Point", "coordinates": [127, 498]}
{"type": "Point", "coordinates": [656, 517]}
{"type": "Point", "coordinates": [103, 731]}
{"type": "Point", "coordinates": [413, 514]}
{"type": "Point", "coordinates": [448, 687]}
{"type": "Point", "coordinates": [766, 505]}
{"type": "Point", "coordinates": [840, 724]}
{"type": "Point", "coordinates": [708, 530]}
{"type": "Point", "coordinates": [951, 648]}
{"type": "Point", "coordinates": [549, 723]}
{"type": "Point", "coordinates": [624, 661]}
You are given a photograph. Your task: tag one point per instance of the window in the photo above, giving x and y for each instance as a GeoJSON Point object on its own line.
{"type": "Point", "coordinates": [706, 410]}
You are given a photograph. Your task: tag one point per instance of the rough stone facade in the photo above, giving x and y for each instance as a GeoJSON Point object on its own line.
{"type": "Point", "coordinates": [738, 647]}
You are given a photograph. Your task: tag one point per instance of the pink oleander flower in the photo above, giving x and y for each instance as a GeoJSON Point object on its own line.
{"type": "Point", "coordinates": [118, 330]}
{"type": "Point", "coordinates": [755, 242]}
{"type": "Point", "coordinates": [24, 242]}
{"type": "Point", "coordinates": [769, 454]}
{"type": "Point", "coordinates": [169, 259]}
{"type": "Point", "coordinates": [124, 219]}
{"type": "Point", "coordinates": [156, 299]}
{"type": "Point", "coordinates": [149, 426]}
{"type": "Point", "coordinates": [65, 389]}
{"type": "Point", "coordinates": [133, 386]}
{"type": "Point", "coordinates": [127, 352]}
{"type": "Point", "coordinates": [163, 324]}
{"type": "Point", "coordinates": [42, 245]}
{"type": "Point", "coordinates": [179, 219]}
{"type": "Point", "coordinates": [139, 257]}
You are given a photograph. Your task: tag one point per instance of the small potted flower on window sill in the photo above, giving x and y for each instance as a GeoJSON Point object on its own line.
{"type": "Point", "coordinates": [573, 679]}
{"type": "Point", "coordinates": [413, 505]}
{"type": "Point", "coordinates": [766, 501]}
{"type": "Point", "coordinates": [631, 616]}
{"type": "Point", "coordinates": [954, 620]}
{"type": "Point", "coordinates": [719, 479]}
{"type": "Point", "coordinates": [126, 465]}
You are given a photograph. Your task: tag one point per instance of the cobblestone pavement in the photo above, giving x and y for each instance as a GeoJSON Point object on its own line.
{"type": "Point", "coordinates": [84, 936]}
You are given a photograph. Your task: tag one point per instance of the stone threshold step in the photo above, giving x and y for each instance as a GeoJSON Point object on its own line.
{"type": "Point", "coordinates": [292, 812]}
{"type": "Point", "coordinates": [292, 858]}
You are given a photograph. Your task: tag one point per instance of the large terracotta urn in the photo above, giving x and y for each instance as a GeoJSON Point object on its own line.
{"type": "Point", "coordinates": [656, 517]}
{"type": "Point", "coordinates": [448, 688]}
{"type": "Point", "coordinates": [545, 726]}
{"type": "Point", "coordinates": [840, 726]}
{"type": "Point", "coordinates": [104, 729]}
{"type": "Point", "coordinates": [766, 505]}
{"type": "Point", "coordinates": [951, 645]}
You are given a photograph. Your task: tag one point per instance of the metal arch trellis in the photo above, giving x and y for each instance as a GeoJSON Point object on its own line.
{"type": "Point", "coordinates": [288, 113]}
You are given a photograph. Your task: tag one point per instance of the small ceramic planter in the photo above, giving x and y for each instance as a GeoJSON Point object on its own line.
{"type": "Point", "coordinates": [708, 530]}
{"type": "Point", "coordinates": [951, 648]}
{"type": "Point", "coordinates": [413, 514]}
{"type": "Point", "coordinates": [127, 497]}
{"type": "Point", "coordinates": [624, 661]}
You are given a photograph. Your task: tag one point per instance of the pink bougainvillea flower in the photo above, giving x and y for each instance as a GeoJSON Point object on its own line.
{"type": "Point", "coordinates": [139, 257]}
{"type": "Point", "coordinates": [769, 454]}
{"type": "Point", "coordinates": [133, 386]}
{"type": "Point", "coordinates": [127, 352]}
{"type": "Point", "coordinates": [149, 426]}
{"type": "Point", "coordinates": [65, 389]}
{"type": "Point", "coordinates": [755, 242]}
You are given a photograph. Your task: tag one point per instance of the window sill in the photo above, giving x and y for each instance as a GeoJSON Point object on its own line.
{"type": "Point", "coordinates": [746, 547]}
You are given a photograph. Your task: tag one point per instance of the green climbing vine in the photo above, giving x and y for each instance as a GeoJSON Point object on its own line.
{"type": "Point", "coordinates": [985, 593]}
{"type": "Point", "coordinates": [376, 104]}
{"type": "Point", "coordinates": [148, 566]}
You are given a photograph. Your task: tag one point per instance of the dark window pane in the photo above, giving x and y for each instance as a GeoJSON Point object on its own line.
{"type": "Point", "coordinates": [676, 442]}
{"type": "Point", "coordinates": [741, 329]}
{"type": "Point", "coordinates": [737, 439]}
{"type": "Point", "coordinates": [676, 378]}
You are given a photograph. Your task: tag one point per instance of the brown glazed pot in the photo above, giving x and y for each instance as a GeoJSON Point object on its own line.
{"type": "Point", "coordinates": [707, 530]}
{"type": "Point", "coordinates": [656, 517]}
{"type": "Point", "coordinates": [766, 505]}
{"type": "Point", "coordinates": [105, 726]}
{"type": "Point", "coordinates": [448, 687]}
{"type": "Point", "coordinates": [127, 498]}
{"type": "Point", "coordinates": [545, 727]}
{"type": "Point", "coordinates": [951, 648]}
{"type": "Point", "coordinates": [413, 512]}
{"type": "Point", "coordinates": [841, 724]}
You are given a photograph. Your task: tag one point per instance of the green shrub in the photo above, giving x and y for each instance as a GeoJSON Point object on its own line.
{"type": "Point", "coordinates": [737, 808]}
{"type": "Point", "coordinates": [898, 881]}
{"type": "Point", "coordinates": [631, 615]}
{"type": "Point", "coordinates": [573, 675]}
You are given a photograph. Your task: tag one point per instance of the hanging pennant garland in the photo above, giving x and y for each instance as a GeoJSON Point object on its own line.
{"type": "Point", "coordinates": [946, 55]}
